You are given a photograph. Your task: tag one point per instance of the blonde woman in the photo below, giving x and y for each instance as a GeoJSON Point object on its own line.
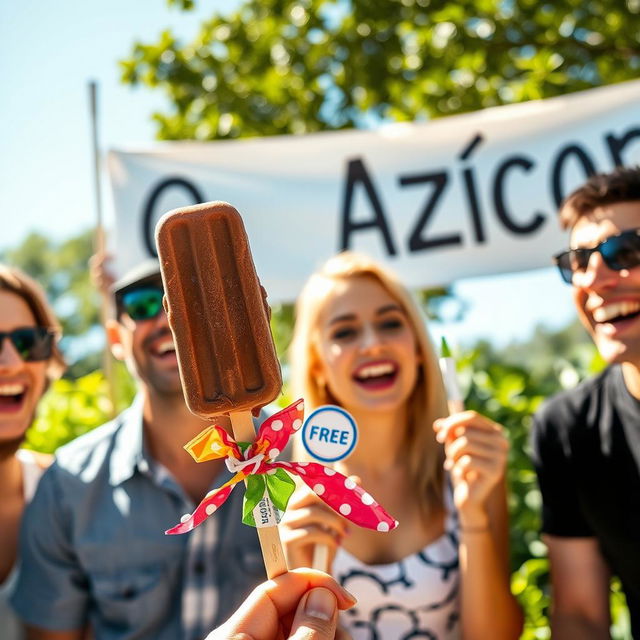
{"type": "Point", "coordinates": [29, 360]}
{"type": "Point", "coordinates": [361, 343]}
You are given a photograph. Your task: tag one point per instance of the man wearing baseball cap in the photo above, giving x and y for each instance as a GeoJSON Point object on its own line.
{"type": "Point", "coordinates": [95, 555]}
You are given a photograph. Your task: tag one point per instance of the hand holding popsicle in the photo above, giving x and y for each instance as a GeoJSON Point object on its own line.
{"type": "Point", "coordinates": [300, 604]}
{"type": "Point", "coordinates": [475, 448]}
{"type": "Point", "coordinates": [309, 524]}
{"type": "Point", "coordinates": [455, 399]}
{"type": "Point", "coordinates": [329, 435]}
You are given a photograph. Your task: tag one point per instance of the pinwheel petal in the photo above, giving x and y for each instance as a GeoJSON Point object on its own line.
{"type": "Point", "coordinates": [274, 433]}
{"type": "Point", "coordinates": [211, 443]}
{"type": "Point", "coordinates": [209, 505]}
{"type": "Point", "coordinates": [342, 494]}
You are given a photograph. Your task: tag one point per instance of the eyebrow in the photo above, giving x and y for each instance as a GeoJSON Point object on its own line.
{"type": "Point", "coordinates": [379, 312]}
{"type": "Point", "coordinates": [389, 307]}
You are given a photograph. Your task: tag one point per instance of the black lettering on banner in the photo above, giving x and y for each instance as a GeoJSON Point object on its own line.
{"type": "Point", "coordinates": [149, 208]}
{"type": "Point", "coordinates": [357, 173]}
{"type": "Point", "coordinates": [499, 199]}
{"type": "Point", "coordinates": [558, 167]}
{"type": "Point", "coordinates": [616, 145]}
{"type": "Point", "coordinates": [416, 240]}
{"type": "Point", "coordinates": [472, 194]}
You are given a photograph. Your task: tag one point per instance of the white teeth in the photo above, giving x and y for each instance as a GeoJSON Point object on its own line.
{"type": "Point", "coordinates": [11, 389]}
{"type": "Point", "coordinates": [166, 346]}
{"type": "Point", "coordinates": [376, 370]}
{"type": "Point", "coordinates": [615, 310]}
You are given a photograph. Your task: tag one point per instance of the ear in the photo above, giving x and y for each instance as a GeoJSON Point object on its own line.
{"type": "Point", "coordinates": [317, 371]}
{"type": "Point", "coordinates": [114, 338]}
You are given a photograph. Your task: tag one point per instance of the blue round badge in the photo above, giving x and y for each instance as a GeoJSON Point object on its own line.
{"type": "Point", "coordinates": [329, 434]}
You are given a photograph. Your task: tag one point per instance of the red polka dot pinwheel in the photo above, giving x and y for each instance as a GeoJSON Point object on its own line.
{"type": "Point", "coordinates": [256, 463]}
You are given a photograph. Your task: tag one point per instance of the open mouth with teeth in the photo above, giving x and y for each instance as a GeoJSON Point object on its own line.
{"type": "Point", "coordinates": [164, 349]}
{"type": "Point", "coordinates": [617, 312]}
{"type": "Point", "coordinates": [12, 396]}
{"type": "Point", "coordinates": [376, 375]}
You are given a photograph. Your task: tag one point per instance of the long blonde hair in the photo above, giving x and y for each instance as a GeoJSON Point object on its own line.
{"type": "Point", "coordinates": [427, 401]}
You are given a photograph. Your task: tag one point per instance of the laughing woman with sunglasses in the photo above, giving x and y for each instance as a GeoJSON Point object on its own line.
{"type": "Point", "coordinates": [29, 361]}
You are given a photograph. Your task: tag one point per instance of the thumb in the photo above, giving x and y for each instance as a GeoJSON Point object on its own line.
{"type": "Point", "coordinates": [316, 616]}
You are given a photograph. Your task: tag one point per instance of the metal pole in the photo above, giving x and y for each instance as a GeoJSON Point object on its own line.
{"type": "Point", "coordinates": [99, 242]}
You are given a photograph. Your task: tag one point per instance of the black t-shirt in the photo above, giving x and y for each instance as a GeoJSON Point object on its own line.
{"type": "Point", "coordinates": [586, 445]}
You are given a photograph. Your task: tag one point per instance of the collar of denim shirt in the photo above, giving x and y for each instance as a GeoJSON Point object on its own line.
{"type": "Point", "coordinates": [128, 450]}
{"type": "Point", "coordinates": [130, 453]}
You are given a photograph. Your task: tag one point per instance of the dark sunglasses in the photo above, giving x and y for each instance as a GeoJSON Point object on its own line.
{"type": "Point", "coordinates": [618, 252]}
{"type": "Point", "coordinates": [31, 343]}
{"type": "Point", "coordinates": [141, 303]}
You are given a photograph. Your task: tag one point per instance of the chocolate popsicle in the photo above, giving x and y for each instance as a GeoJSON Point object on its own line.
{"type": "Point", "coordinates": [217, 312]}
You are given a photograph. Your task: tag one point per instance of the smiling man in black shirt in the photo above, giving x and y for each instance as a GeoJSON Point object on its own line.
{"type": "Point", "coordinates": [587, 441]}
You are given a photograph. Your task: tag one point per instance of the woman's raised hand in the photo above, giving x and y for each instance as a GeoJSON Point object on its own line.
{"type": "Point", "coordinates": [307, 522]}
{"type": "Point", "coordinates": [476, 451]}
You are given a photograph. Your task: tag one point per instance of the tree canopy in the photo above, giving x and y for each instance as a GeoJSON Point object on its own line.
{"type": "Point", "coordinates": [295, 66]}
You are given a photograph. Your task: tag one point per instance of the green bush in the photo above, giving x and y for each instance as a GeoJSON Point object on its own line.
{"type": "Point", "coordinates": [73, 407]}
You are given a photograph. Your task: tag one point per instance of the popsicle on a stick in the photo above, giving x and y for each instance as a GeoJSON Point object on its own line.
{"type": "Point", "coordinates": [218, 315]}
{"type": "Point", "coordinates": [455, 399]}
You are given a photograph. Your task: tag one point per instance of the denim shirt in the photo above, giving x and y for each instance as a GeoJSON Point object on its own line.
{"type": "Point", "coordinates": [94, 550]}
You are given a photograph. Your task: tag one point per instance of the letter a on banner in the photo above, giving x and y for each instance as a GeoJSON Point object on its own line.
{"type": "Point", "coordinates": [356, 173]}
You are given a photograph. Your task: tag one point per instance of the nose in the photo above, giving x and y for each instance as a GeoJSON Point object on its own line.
{"type": "Point", "coordinates": [370, 340]}
{"type": "Point", "coordinates": [9, 357]}
{"type": "Point", "coordinates": [597, 275]}
{"type": "Point", "coordinates": [161, 319]}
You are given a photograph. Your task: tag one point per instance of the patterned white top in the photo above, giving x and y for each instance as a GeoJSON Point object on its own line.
{"type": "Point", "coordinates": [416, 597]}
{"type": "Point", "coordinates": [31, 472]}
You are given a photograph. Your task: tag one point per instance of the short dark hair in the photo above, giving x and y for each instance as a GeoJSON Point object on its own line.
{"type": "Point", "coordinates": [620, 185]}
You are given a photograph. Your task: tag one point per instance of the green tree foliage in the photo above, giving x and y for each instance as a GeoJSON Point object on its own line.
{"type": "Point", "coordinates": [296, 66]}
{"type": "Point", "coordinates": [555, 357]}
{"type": "Point", "coordinates": [74, 407]}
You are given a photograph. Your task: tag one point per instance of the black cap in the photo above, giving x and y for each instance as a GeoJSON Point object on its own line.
{"type": "Point", "coordinates": [147, 270]}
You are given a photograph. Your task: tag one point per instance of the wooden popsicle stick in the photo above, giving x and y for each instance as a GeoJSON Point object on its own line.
{"type": "Point", "coordinates": [320, 558]}
{"type": "Point", "coordinates": [272, 552]}
{"type": "Point", "coordinates": [455, 406]}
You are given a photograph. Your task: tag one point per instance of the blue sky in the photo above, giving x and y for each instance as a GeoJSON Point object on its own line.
{"type": "Point", "coordinates": [49, 51]}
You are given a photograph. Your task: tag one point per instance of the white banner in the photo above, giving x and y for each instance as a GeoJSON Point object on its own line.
{"type": "Point", "coordinates": [468, 195]}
